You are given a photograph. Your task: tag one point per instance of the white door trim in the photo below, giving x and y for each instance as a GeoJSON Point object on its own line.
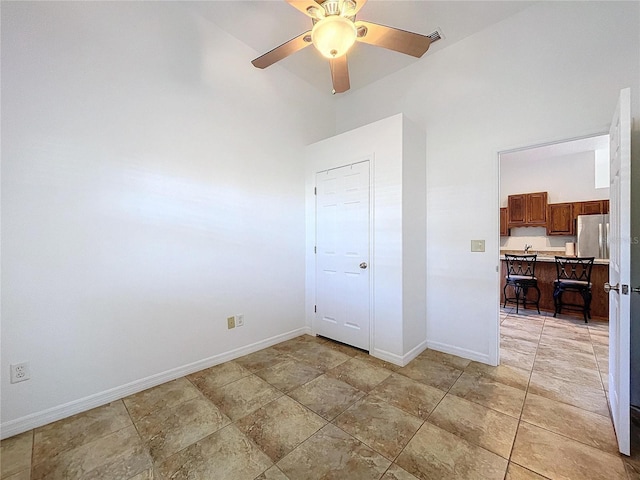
{"type": "Point", "coordinates": [311, 296]}
{"type": "Point", "coordinates": [371, 264]}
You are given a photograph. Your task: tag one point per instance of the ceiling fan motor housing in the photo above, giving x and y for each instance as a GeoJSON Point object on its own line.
{"type": "Point", "coordinates": [333, 36]}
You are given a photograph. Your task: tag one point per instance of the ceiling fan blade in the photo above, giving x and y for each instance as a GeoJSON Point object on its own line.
{"type": "Point", "coordinates": [340, 74]}
{"type": "Point", "coordinates": [410, 43]}
{"type": "Point", "coordinates": [282, 51]}
{"type": "Point", "coordinates": [308, 7]}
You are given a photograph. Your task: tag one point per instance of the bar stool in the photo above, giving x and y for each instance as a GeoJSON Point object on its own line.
{"type": "Point", "coordinates": [573, 275]}
{"type": "Point", "coordinates": [521, 276]}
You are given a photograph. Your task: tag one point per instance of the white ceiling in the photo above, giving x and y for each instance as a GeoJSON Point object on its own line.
{"type": "Point", "coordinates": [265, 24]}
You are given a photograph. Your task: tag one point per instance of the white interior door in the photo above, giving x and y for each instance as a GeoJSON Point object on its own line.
{"type": "Point", "coordinates": [620, 270]}
{"type": "Point", "coordinates": [342, 254]}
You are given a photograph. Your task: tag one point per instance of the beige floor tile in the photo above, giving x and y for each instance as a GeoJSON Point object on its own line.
{"type": "Point", "coordinates": [581, 425]}
{"type": "Point", "coordinates": [602, 352]}
{"type": "Point", "coordinates": [516, 472]}
{"type": "Point", "coordinates": [289, 346]}
{"type": "Point", "coordinates": [599, 338]}
{"type": "Point", "coordinates": [118, 455]}
{"type": "Point", "coordinates": [289, 374]}
{"type": "Point", "coordinates": [434, 453]}
{"type": "Point", "coordinates": [579, 359]}
{"type": "Point", "coordinates": [446, 358]}
{"type": "Point", "coordinates": [432, 373]}
{"type": "Point", "coordinates": [527, 334]}
{"type": "Point", "coordinates": [556, 456]}
{"type": "Point", "coordinates": [274, 473]}
{"type": "Point", "coordinates": [517, 358]}
{"type": "Point", "coordinates": [518, 344]}
{"type": "Point", "coordinates": [327, 396]}
{"type": "Point", "coordinates": [485, 391]}
{"type": "Point", "coordinates": [383, 427]}
{"type": "Point", "coordinates": [332, 454]}
{"type": "Point", "coordinates": [148, 474]}
{"type": "Point", "coordinates": [566, 332]}
{"type": "Point", "coordinates": [591, 399]}
{"type": "Point", "coordinates": [243, 396]}
{"type": "Point", "coordinates": [343, 348]}
{"type": "Point", "coordinates": [261, 359]}
{"type": "Point", "coordinates": [397, 473]}
{"type": "Point", "coordinates": [280, 426]}
{"type": "Point", "coordinates": [376, 361]}
{"type": "Point", "coordinates": [15, 454]}
{"type": "Point", "coordinates": [169, 430]}
{"type": "Point", "coordinates": [565, 344]}
{"type": "Point", "coordinates": [565, 370]}
{"type": "Point", "coordinates": [482, 426]}
{"type": "Point", "coordinates": [22, 475]}
{"type": "Point", "coordinates": [525, 321]}
{"type": "Point", "coordinates": [166, 395]}
{"type": "Point", "coordinates": [512, 376]}
{"type": "Point", "coordinates": [409, 395]}
{"type": "Point", "coordinates": [218, 376]}
{"type": "Point", "coordinates": [359, 374]}
{"type": "Point", "coordinates": [79, 429]}
{"type": "Point", "coordinates": [633, 469]}
{"type": "Point", "coordinates": [226, 454]}
{"type": "Point", "coordinates": [320, 356]}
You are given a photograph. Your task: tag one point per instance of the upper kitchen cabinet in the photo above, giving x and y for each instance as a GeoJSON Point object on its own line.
{"type": "Point", "coordinates": [560, 219]}
{"type": "Point", "coordinates": [591, 207]}
{"type": "Point", "coordinates": [504, 227]}
{"type": "Point", "coordinates": [527, 210]}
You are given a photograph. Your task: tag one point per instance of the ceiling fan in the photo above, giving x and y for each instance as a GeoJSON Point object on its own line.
{"type": "Point", "coordinates": [335, 30]}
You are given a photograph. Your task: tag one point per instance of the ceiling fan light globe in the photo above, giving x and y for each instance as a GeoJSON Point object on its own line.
{"type": "Point", "coordinates": [333, 36]}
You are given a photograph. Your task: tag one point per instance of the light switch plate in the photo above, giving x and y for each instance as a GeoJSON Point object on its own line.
{"type": "Point", "coordinates": [477, 245]}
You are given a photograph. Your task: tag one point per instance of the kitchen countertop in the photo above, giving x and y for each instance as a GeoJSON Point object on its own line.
{"type": "Point", "coordinates": [550, 256]}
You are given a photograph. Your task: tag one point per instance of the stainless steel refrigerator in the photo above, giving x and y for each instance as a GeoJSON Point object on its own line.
{"type": "Point", "coordinates": [593, 236]}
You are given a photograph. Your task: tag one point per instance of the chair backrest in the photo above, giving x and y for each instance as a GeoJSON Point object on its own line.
{"type": "Point", "coordinates": [521, 265]}
{"type": "Point", "coordinates": [574, 268]}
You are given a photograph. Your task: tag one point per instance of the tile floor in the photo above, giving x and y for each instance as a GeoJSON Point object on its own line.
{"type": "Point", "coordinates": [312, 409]}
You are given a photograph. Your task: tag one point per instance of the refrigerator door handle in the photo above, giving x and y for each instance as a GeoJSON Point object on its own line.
{"type": "Point", "coordinates": [600, 249]}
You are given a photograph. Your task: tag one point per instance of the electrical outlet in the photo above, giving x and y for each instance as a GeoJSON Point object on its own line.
{"type": "Point", "coordinates": [239, 320]}
{"type": "Point", "coordinates": [20, 372]}
{"type": "Point", "coordinates": [231, 322]}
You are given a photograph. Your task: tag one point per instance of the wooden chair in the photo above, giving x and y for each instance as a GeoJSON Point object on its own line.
{"type": "Point", "coordinates": [573, 275]}
{"type": "Point", "coordinates": [521, 277]}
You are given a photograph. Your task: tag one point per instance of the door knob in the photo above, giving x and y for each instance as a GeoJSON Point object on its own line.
{"type": "Point", "coordinates": [635, 289]}
{"type": "Point", "coordinates": [363, 265]}
{"type": "Point", "coordinates": [608, 287]}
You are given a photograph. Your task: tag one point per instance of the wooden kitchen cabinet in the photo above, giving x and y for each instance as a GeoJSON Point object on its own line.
{"type": "Point", "coordinates": [527, 210]}
{"type": "Point", "coordinates": [590, 207]}
{"type": "Point", "coordinates": [504, 227]}
{"type": "Point", "coordinates": [516, 210]}
{"type": "Point", "coordinates": [560, 219]}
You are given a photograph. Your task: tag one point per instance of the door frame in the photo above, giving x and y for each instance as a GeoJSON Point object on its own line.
{"type": "Point", "coordinates": [494, 353]}
{"type": "Point", "coordinates": [311, 238]}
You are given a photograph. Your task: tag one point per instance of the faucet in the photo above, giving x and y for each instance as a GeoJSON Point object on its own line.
{"type": "Point", "coordinates": [527, 248]}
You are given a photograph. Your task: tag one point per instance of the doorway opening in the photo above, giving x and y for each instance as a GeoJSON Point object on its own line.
{"type": "Point", "coordinates": [558, 182]}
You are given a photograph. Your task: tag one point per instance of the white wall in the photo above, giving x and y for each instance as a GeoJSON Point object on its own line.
{"type": "Point", "coordinates": [152, 185]}
{"type": "Point", "coordinates": [384, 143]}
{"type": "Point", "coordinates": [540, 76]}
{"type": "Point", "coordinates": [568, 178]}
{"type": "Point", "coordinates": [414, 236]}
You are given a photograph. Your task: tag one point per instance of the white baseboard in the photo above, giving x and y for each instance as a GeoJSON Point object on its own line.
{"type": "Point", "coordinates": [38, 419]}
{"type": "Point", "coordinates": [400, 360]}
{"type": "Point", "coordinates": [460, 352]}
